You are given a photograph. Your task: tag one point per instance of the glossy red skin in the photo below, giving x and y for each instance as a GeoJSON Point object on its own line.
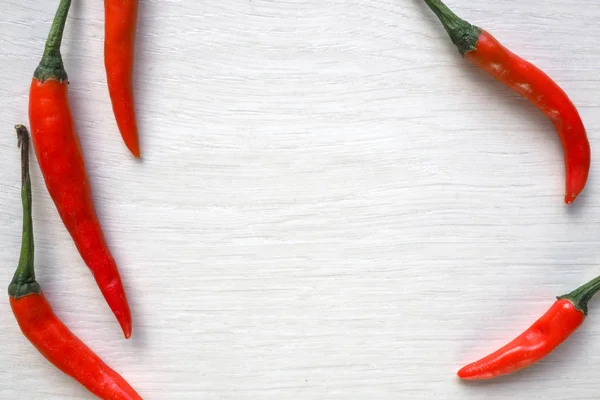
{"type": "Point", "coordinates": [533, 84]}
{"type": "Point", "coordinates": [539, 340]}
{"type": "Point", "coordinates": [64, 350]}
{"type": "Point", "coordinates": [61, 161]}
{"type": "Point", "coordinates": [119, 46]}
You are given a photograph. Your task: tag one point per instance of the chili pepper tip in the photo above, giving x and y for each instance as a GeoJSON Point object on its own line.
{"type": "Point", "coordinates": [465, 373]}
{"type": "Point", "coordinates": [137, 155]}
{"type": "Point", "coordinates": [134, 148]}
{"type": "Point", "coordinates": [125, 323]}
{"type": "Point", "coordinates": [570, 197]}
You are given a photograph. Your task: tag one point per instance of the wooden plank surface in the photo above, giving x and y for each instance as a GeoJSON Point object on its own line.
{"type": "Point", "coordinates": [332, 204]}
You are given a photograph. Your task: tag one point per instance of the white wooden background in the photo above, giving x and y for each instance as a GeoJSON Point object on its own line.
{"type": "Point", "coordinates": [332, 204]}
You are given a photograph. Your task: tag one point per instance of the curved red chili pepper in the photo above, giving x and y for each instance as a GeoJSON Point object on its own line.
{"type": "Point", "coordinates": [41, 326]}
{"type": "Point", "coordinates": [540, 339]}
{"type": "Point", "coordinates": [61, 161]}
{"type": "Point", "coordinates": [119, 43]}
{"type": "Point", "coordinates": [65, 351]}
{"type": "Point", "coordinates": [530, 82]}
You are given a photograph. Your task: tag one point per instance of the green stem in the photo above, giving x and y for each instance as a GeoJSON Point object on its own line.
{"type": "Point", "coordinates": [464, 35]}
{"type": "Point", "coordinates": [51, 66]}
{"type": "Point", "coordinates": [583, 294]}
{"type": "Point", "coordinates": [23, 282]}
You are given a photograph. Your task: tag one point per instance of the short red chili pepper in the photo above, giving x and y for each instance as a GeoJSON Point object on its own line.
{"type": "Point", "coordinates": [540, 339]}
{"type": "Point", "coordinates": [38, 322]}
{"type": "Point", "coordinates": [530, 82]}
{"type": "Point", "coordinates": [61, 160]}
{"type": "Point", "coordinates": [119, 44]}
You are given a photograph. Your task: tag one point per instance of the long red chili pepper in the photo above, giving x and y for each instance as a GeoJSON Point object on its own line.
{"type": "Point", "coordinates": [554, 327]}
{"type": "Point", "coordinates": [38, 322]}
{"type": "Point", "coordinates": [530, 82]}
{"type": "Point", "coordinates": [61, 161]}
{"type": "Point", "coordinates": [119, 41]}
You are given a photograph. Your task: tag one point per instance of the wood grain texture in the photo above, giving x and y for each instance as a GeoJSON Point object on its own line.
{"type": "Point", "coordinates": [332, 204]}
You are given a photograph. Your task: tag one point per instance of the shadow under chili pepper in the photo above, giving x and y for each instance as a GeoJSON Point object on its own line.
{"type": "Point", "coordinates": [74, 49]}
{"type": "Point", "coordinates": [142, 67]}
{"type": "Point", "coordinates": [142, 71]}
{"type": "Point", "coordinates": [140, 339]}
{"type": "Point", "coordinates": [581, 205]}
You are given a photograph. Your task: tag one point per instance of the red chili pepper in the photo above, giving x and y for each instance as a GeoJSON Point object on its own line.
{"type": "Point", "coordinates": [530, 82]}
{"type": "Point", "coordinates": [38, 322]}
{"type": "Point", "coordinates": [540, 339]}
{"type": "Point", "coordinates": [61, 161]}
{"type": "Point", "coordinates": [119, 41]}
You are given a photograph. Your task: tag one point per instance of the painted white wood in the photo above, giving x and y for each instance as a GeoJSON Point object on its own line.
{"type": "Point", "coordinates": [332, 204]}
